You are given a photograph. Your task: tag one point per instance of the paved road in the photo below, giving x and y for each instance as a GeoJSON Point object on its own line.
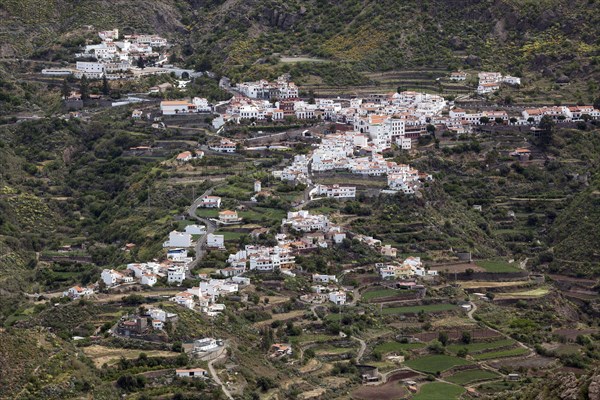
{"type": "Point", "coordinates": [214, 375]}
{"type": "Point", "coordinates": [211, 227]}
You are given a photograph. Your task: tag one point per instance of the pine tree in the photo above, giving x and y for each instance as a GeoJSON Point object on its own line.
{"type": "Point", "coordinates": [65, 90]}
{"type": "Point", "coordinates": [84, 87]}
{"type": "Point", "coordinates": [105, 86]}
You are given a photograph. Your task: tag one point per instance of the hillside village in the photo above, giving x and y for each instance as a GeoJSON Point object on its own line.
{"type": "Point", "coordinates": [267, 235]}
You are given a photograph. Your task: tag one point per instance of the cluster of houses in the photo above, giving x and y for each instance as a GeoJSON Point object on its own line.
{"type": "Point", "coordinates": [490, 82]}
{"type": "Point", "coordinates": [183, 107]}
{"type": "Point", "coordinates": [115, 56]}
{"type": "Point", "coordinates": [282, 88]}
{"type": "Point", "coordinates": [204, 297]}
{"type": "Point", "coordinates": [410, 110]}
{"type": "Point", "coordinates": [153, 320]}
{"type": "Point", "coordinates": [461, 121]}
{"type": "Point", "coordinates": [185, 238]}
{"type": "Point", "coordinates": [409, 268]}
{"type": "Point", "coordinates": [325, 288]}
{"type": "Point", "coordinates": [336, 153]}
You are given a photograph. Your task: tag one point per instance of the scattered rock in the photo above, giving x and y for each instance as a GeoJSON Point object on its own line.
{"type": "Point", "coordinates": [473, 60]}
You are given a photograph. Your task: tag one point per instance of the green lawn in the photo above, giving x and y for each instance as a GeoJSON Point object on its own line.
{"type": "Point", "coordinates": [228, 235]}
{"type": "Point", "coordinates": [519, 351]}
{"type": "Point", "coordinates": [390, 347]}
{"type": "Point", "coordinates": [472, 375]}
{"type": "Point", "coordinates": [498, 266]}
{"type": "Point", "coordinates": [433, 364]}
{"type": "Point", "coordinates": [417, 309]}
{"type": "Point", "coordinates": [263, 215]}
{"type": "Point", "coordinates": [207, 212]}
{"type": "Point", "coordinates": [481, 346]}
{"type": "Point", "coordinates": [439, 391]}
{"type": "Point", "coordinates": [378, 293]}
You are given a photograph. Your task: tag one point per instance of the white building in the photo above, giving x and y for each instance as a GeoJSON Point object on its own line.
{"type": "Point", "coordinates": [175, 275]}
{"type": "Point", "coordinates": [77, 292]}
{"type": "Point", "coordinates": [110, 277]}
{"type": "Point", "coordinates": [148, 279]}
{"type": "Point", "coordinates": [195, 229]}
{"type": "Point", "coordinates": [92, 70]}
{"type": "Point", "coordinates": [336, 191]}
{"type": "Point", "coordinates": [191, 373]}
{"type": "Point", "coordinates": [324, 278]}
{"type": "Point", "coordinates": [337, 297]}
{"type": "Point", "coordinates": [210, 202]}
{"type": "Point", "coordinates": [215, 241]}
{"type": "Point", "coordinates": [179, 239]}
{"type": "Point", "coordinates": [224, 146]}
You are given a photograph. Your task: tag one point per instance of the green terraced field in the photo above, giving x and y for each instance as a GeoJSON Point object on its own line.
{"type": "Point", "coordinates": [378, 294]}
{"type": "Point", "coordinates": [498, 266]}
{"type": "Point", "coordinates": [482, 346]}
{"type": "Point", "coordinates": [439, 391]}
{"type": "Point", "coordinates": [519, 351]}
{"type": "Point", "coordinates": [389, 347]}
{"type": "Point", "coordinates": [436, 363]}
{"type": "Point", "coordinates": [474, 375]}
{"type": "Point", "coordinates": [417, 309]}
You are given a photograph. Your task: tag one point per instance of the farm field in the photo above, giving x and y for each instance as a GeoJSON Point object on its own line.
{"type": "Point", "coordinates": [417, 309]}
{"type": "Point", "coordinates": [483, 346]}
{"type": "Point", "coordinates": [472, 375]}
{"type": "Point", "coordinates": [528, 294]}
{"type": "Point", "coordinates": [389, 347]}
{"type": "Point", "coordinates": [378, 294]}
{"type": "Point", "coordinates": [519, 351]}
{"type": "Point", "coordinates": [487, 284]}
{"type": "Point", "coordinates": [436, 363]}
{"type": "Point", "coordinates": [439, 391]}
{"type": "Point", "coordinates": [497, 266]}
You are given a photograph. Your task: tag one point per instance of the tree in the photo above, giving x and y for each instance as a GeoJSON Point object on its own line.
{"type": "Point", "coordinates": [65, 90]}
{"type": "Point", "coordinates": [498, 120]}
{"type": "Point", "coordinates": [84, 87]}
{"type": "Point", "coordinates": [431, 129]}
{"type": "Point", "coordinates": [513, 120]}
{"type": "Point", "coordinates": [547, 126]}
{"type": "Point", "coordinates": [597, 103]}
{"type": "Point", "coordinates": [466, 337]}
{"type": "Point", "coordinates": [141, 64]}
{"type": "Point", "coordinates": [105, 86]}
{"type": "Point", "coordinates": [484, 120]}
{"type": "Point", "coordinates": [443, 338]}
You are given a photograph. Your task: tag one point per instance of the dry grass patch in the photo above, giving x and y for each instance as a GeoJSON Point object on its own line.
{"type": "Point", "coordinates": [110, 355]}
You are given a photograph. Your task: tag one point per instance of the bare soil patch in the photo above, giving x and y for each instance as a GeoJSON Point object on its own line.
{"type": "Point", "coordinates": [388, 391]}
{"type": "Point", "coordinates": [458, 268]}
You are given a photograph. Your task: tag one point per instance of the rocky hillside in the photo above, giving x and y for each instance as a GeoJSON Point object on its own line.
{"type": "Point", "coordinates": [240, 37]}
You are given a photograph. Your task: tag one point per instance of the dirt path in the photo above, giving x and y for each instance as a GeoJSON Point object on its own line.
{"type": "Point", "coordinates": [361, 351]}
{"type": "Point", "coordinates": [214, 374]}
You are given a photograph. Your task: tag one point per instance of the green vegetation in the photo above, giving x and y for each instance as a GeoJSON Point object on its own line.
{"type": "Point", "coordinates": [519, 351]}
{"type": "Point", "coordinates": [439, 391]}
{"type": "Point", "coordinates": [471, 375]}
{"type": "Point", "coordinates": [481, 346]}
{"type": "Point", "coordinates": [390, 347]}
{"type": "Point", "coordinates": [435, 363]}
{"type": "Point", "coordinates": [378, 293]}
{"type": "Point", "coordinates": [431, 308]}
{"type": "Point", "coordinates": [497, 266]}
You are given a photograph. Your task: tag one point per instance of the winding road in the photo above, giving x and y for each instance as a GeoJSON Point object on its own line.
{"type": "Point", "coordinates": [215, 376]}
{"type": "Point", "coordinates": [211, 227]}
